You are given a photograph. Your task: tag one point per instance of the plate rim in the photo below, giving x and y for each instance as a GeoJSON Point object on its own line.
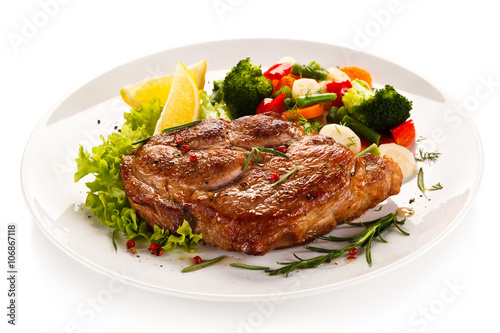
{"type": "Point", "coordinates": [258, 296]}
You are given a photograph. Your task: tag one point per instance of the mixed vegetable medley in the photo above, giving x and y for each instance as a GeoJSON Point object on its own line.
{"type": "Point", "coordinates": [338, 102]}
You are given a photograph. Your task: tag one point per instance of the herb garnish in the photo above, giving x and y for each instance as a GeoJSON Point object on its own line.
{"type": "Point", "coordinates": [257, 151]}
{"type": "Point", "coordinates": [308, 126]}
{"type": "Point", "coordinates": [429, 156]}
{"type": "Point", "coordinates": [170, 129]}
{"type": "Point", "coordinates": [202, 264]}
{"type": "Point", "coordinates": [372, 230]}
{"type": "Point", "coordinates": [436, 187]}
{"type": "Point", "coordinates": [251, 267]}
{"type": "Point", "coordinates": [286, 176]}
{"type": "Point", "coordinates": [420, 183]}
{"type": "Point", "coordinates": [113, 239]}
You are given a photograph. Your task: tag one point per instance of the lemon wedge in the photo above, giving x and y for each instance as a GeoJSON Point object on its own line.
{"type": "Point", "coordinates": [159, 87]}
{"type": "Point", "coordinates": [198, 71]}
{"type": "Point", "coordinates": [183, 103]}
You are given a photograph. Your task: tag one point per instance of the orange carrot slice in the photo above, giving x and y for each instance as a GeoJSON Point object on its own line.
{"type": "Point", "coordinates": [312, 111]}
{"type": "Point", "coordinates": [357, 73]}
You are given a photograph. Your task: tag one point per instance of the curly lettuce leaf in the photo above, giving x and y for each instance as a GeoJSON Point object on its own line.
{"type": "Point", "coordinates": [106, 197]}
{"type": "Point", "coordinates": [217, 110]}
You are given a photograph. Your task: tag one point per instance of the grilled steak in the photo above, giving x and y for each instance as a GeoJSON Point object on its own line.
{"type": "Point", "coordinates": [196, 174]}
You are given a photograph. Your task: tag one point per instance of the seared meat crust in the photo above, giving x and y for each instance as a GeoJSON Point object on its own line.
{"type": "Point", "coordinates": [241, 210]}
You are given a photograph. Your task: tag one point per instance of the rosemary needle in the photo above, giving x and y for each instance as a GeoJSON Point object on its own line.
{"type": "Point", "coordinates": [421, 186]}
{"type": "Point", "coordinates": [285, 176]}
{"type": "Point", "coordinates": [114, 240]}
{"type": "Point", "coordinates": [373, 229]}
{"type": "Point", "coordinates": [420, 180]}
{"type": "Point", "coordinates": [202, 264]}
{"type": "Point", "coordinates": [257, 151]}
{"type": "Point", "coordinates": [170, 129]}
{"type": "Point", "coordinates": [183, 126]}
{"type": "Point", "coordinates": [251, 267]}
{"type": "Point", "coordinates": [429, 156]}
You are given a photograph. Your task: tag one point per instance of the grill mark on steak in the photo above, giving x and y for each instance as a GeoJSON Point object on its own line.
{"type": "Point", "coordinates": [241, 210]}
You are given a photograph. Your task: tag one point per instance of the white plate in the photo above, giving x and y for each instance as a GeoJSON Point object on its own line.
{"type": "Point", "coordinates": [48, 167]}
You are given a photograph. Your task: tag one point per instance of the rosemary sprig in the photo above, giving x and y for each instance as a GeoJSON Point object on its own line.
{"type": "Point", "coordinates": [250, 267]}
{"type": "Point", "coordinates": [202, 264]}
{"type": "Point", "coordinates": [420, 183]}
{"type": "Point", "coordinates": [170, 129]}
{"type": "Point", "coordinates": [436, 187]}
{"type": "Point", "coordinates": [285, 176]}
{"type": "Point", "coordinates": [183, 126]}
{"type": "Point", "coordinates": [373, 229]}
{"type": "Point", "coordinates": [138, 142]}
{"type": "Point", "coordinates": [114, 240]}
{"type": "Point", "coordinates": [257, 151]}
{"type": "Point", "coordinates": [420, 180]}
{"type": "Point", "coordinates": [429, 156]}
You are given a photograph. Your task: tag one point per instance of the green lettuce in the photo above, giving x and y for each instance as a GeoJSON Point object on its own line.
{"type": "Point", "coordinates": [106, 197]}
{"type": "Point", "coordinates": [217, 110]}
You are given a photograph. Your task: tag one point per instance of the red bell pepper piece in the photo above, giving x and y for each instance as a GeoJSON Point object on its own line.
{"type": "Point", "coordinates": [385, 139]}
{"type": "Point", "coordinates": [275, 105]}
{"type": "Point", "coordinates": [262, 107]}
{"type": "Point", "coordinates": [277, 71]}
{"type": "Point", "coordinates": [404, 134]}
{"type": "Point", "coordinates": [339, 88]}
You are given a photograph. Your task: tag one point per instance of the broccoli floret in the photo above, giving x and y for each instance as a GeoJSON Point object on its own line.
{"type": "Point", "coordinates": [380, 110]}
{"type": "Point", "coordinates": [244, 87]}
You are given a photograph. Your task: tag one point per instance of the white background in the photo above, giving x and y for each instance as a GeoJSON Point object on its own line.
{"type": "Point", "coordinates": [453, 44]}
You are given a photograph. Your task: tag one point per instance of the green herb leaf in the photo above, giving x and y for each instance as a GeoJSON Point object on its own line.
{"type": "Point", "coordinates": [274, 152]}
{"type": "Point", "coordinates": [251, 267]}
{"type": "Point", "coordinates": [203, 264]}
{"type": "Point", "coordinates": [113, 238]}
{"type": "Point", "coordinates": [257, 151]}
{"type": "Point", "coordinates": [249, 158]}
{"type": "Point", "coordinates": [420, 180]}
{"type": "Point", "coordinates": [138, 142]}
{"type": "Point", "coordinates": [362, 239]}
{"type": "Point", "coordinates": [396, 224]}
{"type": "Point", "coordinates": [421, 186]}
{"type": "Point", "coordinates": [183, 126]}
{"type": "Point", "coordinates": [282, 179]}
{"type": "Point", "coordinates": [429, 156]}
{"type": "Point", "coordinates": [170, 129]}
{"type": "Point", "coordinates": [436, 187]}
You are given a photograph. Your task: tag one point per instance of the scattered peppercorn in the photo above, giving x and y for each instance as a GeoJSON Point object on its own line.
{"type": "Point", "coordinates": [185, 148]}
{"type": "Point", "coordinates": [130, 243]}
{"type": "Point", "coordinates": [197, 260]}
{"type": "Point", "coordinates": [193, 158]}
{"type": "Point", "coordinates": [275, 177]}
{"type": "Point", "coordinates": [155, 249]}
{"type": "Point", "coordinates": [281, 149]}
{"type": "Point", "coordinates": [353, 251]}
